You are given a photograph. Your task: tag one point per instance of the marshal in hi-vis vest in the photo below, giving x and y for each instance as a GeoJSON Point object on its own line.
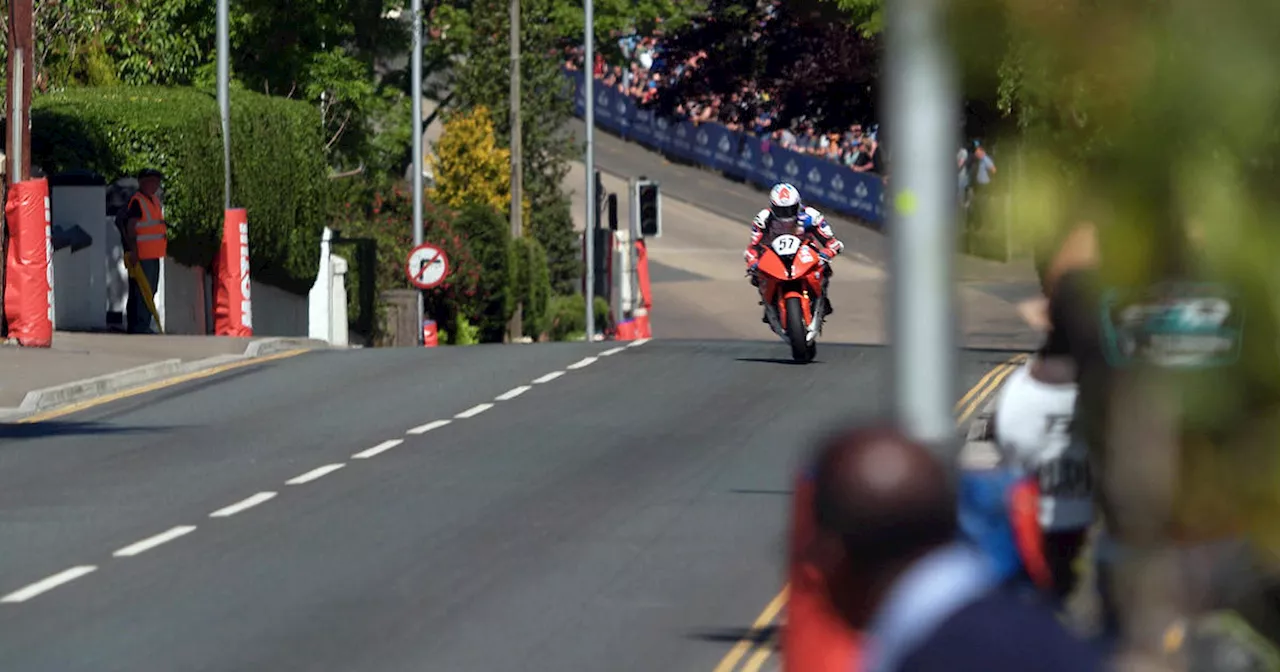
{"type": "Point", "coordinates": [153, 241]}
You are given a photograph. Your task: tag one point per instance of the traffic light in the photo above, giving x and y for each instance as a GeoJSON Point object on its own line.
{"type": "Point", "coordinates": [600, 200]}
{"type": "Point", "coordinates": [611, 211]}
{"type": "Point", "coordinates": [650, 208]}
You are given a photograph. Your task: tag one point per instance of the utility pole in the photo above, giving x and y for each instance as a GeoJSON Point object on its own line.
{"type": "Point", "coordinates": [922, 105]}
{"type": "Point", "coordinates": [224, 97]}
{"type": "Point", "coordinates": [589, 116]}
{"type": "Point", "coordinates": [515, 328]}
{"type": "Point", "coordinates": [19, 78]}
{"type": "Point", "coordinates": [415, 76]}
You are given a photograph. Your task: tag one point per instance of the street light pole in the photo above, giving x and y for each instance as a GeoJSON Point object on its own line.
{"type": "Point", "coordinates": [19, 78]}
{"type": "Point", "coordinates": [224, 97]}
{"type": "Point", "coordinates": [922, 107]}
{"type": "Point", "coordinates": [589, 116]}
{"type": "Point", "coordinates": [515, 329]}
{"type": "Point", "coordinates": [416, 91]}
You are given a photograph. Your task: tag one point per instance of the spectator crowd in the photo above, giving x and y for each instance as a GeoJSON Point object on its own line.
{"type": "Point", "coordinates": [644, 74]}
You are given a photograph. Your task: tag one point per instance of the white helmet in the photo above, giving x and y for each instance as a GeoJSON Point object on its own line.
{"type": "Point", "coordinates": [784, 202]}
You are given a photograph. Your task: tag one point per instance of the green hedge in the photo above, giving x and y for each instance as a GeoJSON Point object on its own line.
{"type": "Point", "coordinates": [533, 285]}
{"type": "Point", "coordinates": [488, 236]}
{"type": "Point", "coordinates": [567, 316]}
{"type": "Point", "coordinates": [277, 158]}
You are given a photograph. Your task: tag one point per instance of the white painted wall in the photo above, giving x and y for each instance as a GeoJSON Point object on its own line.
{"type": "Point", "coordinates": [188, 305]}
{"type": "Point", "coordinates": [80, 279]}
{"type": "Point", "coordinates": [93, 281]}
{"type": "Point", "coordinates": [327, 301]}
{"type": "Point", "coordinates": [277, 312]}
{"type": "Point", "coordinates": [183, 291]}
{"type": "Point", "coordinates": [117, 275]}
{"type": "Point", "coordinates": [339, 328]}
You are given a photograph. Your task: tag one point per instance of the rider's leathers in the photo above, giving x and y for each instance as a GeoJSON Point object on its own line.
{"type": "Point", "coordinates": [809, 224]}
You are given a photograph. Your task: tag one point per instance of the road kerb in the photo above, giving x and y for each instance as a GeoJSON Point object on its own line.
{"type": "Point", "coordinates": [52, 402]}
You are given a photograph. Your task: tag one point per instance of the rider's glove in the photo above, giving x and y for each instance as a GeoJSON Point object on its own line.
{"type": "Point", "coordinates": [826, 257]}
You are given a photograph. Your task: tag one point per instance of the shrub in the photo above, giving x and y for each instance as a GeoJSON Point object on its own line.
{"type": "Point", "coordinates": [552, 225]}
{"type": "Point", "coordinates": [277, 157]}
{"type": "Point", "coordinates": [488, 236]}
{"type": "Point", "coordinates": [469, 166]}
{"type": "Point", "coordinates": [384, 214]}
{"type": "Point", "coordinates": [567, 316]}
{"type": "Point", "coordinates": [464, 334]}
{"type": "Point", "coordinates": [533, 285]}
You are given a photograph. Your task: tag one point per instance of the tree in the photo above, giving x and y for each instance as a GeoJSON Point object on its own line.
{"type": "Point", "coordinates": [479, 30]}
{"type": "Point", "coordinates": [322, 51]}
{"type": "Point", "coordinates": [866, 15]}
{"type": "Point", "coordinates": [326, 52]}
{"type": "Point", "coordinates": [533, 285]}
{"type": "Point", "coordinates": [383, 213]}
{"type": "Point", "coordinates": [552, 226]}
{"type": "Point", "coordinates": [469, 166]}
{"type": "Point", "coordinates": [69, 44]}
{"type": "Point", "coordinates": [811, 58]}
{"type": "Point", "coordinates": [565, 20]}
{"type": "Point", "coordinates": [488, 236]}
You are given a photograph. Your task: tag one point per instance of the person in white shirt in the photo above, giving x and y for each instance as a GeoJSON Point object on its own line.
{"type": "Point", "coordinates": [1033, 421]}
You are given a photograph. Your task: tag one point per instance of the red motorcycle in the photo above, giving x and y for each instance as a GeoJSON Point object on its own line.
{"type": "Point", "coordinates": [790, 279]}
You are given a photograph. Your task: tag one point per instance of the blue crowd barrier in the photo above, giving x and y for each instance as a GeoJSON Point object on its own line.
{"type": "Point", "coordinates": [833, 186]}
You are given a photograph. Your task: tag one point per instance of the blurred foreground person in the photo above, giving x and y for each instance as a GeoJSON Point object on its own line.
{"type": "Point", "coordinates": [1050, 504]}
{"type": "Point", "coordinates": [887, 521]}
{"type": "Point", "coordinates": [1177, 578]}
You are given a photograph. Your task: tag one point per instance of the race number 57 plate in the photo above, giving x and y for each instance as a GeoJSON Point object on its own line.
{"type": "Point", "coordinates": [1174, 325]}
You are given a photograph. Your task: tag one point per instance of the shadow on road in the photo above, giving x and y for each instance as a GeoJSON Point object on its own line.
{"type": "Point", "coordinates": [51, 428]}
{"type": "Point", "coordinates": [735, 635]}
{"type": "Point", "coordinates": [775, 360]}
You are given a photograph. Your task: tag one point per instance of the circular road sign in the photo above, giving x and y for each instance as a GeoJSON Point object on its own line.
{"type": "Point", "coordinates": [427, 267]}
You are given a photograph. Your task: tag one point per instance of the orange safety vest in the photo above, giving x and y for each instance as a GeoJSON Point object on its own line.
{"type": "Point", "coordinates": [153, 241]}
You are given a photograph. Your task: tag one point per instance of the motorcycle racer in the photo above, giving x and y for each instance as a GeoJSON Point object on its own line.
{"type": "Point", "coordinates": [786, 214]}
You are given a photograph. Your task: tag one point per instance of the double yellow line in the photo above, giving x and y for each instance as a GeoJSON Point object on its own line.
{"type": "Point", "coordinates": [969, 404]}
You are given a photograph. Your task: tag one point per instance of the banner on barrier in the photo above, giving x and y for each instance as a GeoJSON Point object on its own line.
{"type": "Point", "coordinates": [831, 185]}
{"type": "Point", "coordinates": [28, 290]}
{"type": "Point", "coordinates": [233, 303]}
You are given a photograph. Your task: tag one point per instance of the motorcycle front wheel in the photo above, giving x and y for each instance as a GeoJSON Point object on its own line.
{"type": "Point", "coordinates": [796, 331]}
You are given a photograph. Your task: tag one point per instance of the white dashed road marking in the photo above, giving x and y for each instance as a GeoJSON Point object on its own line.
{"type": "Point", "coordinates": [378, 449]}
{"type": "Point", "coordinates": [513, 393]}
{"type": "Point", "coordinates": [423, 429]}
{"type": "Point", "coordinates": [474, 411]}
{"type": "Point", "coordinates": [45, 585]}
{"type": "Point", "coordinates": [246, 503]}
{"type": "Point", "coordinates": [69, 575]}
{"type": "Point", "coordinates": [314, 474]}
{"type": "Point", "coordinates": [151, 542]}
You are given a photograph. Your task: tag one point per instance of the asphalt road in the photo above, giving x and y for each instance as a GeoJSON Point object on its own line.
{"type": "Point", "coordinates": [626, 515]}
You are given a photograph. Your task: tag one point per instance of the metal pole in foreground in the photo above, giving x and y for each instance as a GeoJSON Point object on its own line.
{"type": "Point", "coordinates": [922, 107]}
{"type": "Point", "coordinates": [224, 97]}
{"type": "Point", "coordinates": [17, 165]}
{"type": "Point", "coordinates": [589, 116]}
{"type": "Point", "coordinates": [515, 328]}
{"type": "Point", "coordinates": [415, 77]}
